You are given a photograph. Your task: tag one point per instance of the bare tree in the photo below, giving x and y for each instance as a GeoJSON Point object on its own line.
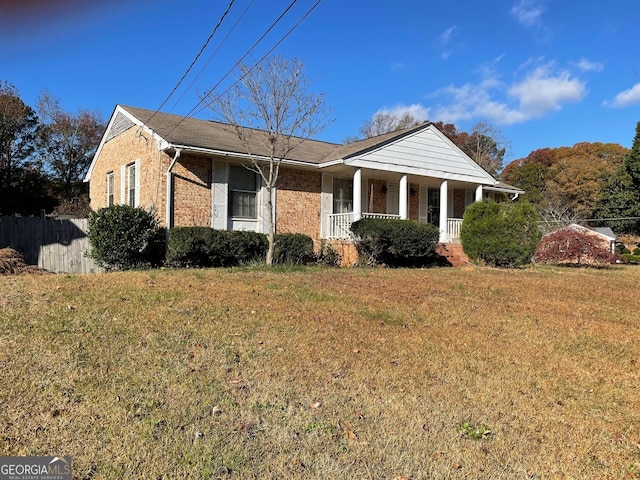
{"type": "Point", "coordinates": [385, 122]}
{"type": "Point", "coordinates": [272, 111]}
{"type": "Point", "coordinates": [487, 146]}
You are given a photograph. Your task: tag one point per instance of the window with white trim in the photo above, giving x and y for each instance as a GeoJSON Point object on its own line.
{"type": "Point", "coordinates": [110, 189]}
{"type": "Point", "coordinates": [131, 185]}
{"type": "Point", "coordinates": [243, 192]}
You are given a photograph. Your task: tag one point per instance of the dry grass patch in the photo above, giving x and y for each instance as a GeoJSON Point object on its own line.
{"type": "Point", "coordinates": [447, 373]}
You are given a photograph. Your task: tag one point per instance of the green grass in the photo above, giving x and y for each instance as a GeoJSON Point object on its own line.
{"type": "Point", "coordinates": [325, 373]}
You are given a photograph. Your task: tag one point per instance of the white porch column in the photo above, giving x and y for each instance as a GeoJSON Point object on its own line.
{"type": "Point", "coordinates": [357, 195]}
{"type": "Point", "coordinates": [479, 193]}
{"type": "Point", "coordinates": [444, 208]}
{"type": "Point", "coordinates": [403, 203]}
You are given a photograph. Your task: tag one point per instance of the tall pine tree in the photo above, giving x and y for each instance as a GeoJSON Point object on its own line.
{"type": "Point", "coordinates": [619, 195]}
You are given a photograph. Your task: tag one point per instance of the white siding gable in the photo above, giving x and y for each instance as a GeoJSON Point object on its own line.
{"type": "Point", "coordinates": [427, 152]}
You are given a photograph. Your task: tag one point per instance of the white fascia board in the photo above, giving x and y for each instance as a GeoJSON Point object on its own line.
{"type": "Point", "coordinates": [331, 163]}
{"type": "Point", "coordinates": [504, 190]}
{"type": "Point", "coordinates": [225, 153]}
{"type": "Point", "coordinates": [422, 172]}
{"type": "Point", "coordinates": [103, 140]}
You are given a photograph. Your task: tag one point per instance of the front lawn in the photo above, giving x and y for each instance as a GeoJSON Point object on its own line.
{"type": "Point", "coordinates": [325, 373]}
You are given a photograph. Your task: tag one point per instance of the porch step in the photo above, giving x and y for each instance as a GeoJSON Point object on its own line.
{"type": "Point", "coordinates": [453, 253]}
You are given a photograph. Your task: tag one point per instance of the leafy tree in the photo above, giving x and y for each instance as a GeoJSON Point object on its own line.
{"type": "Point", "coordinates": [563, 183]}
{"type": "Point", "coordinates": [619, 193]}
{"type": "Point", "coordinates": [500, 234]}
{"type": "Point", "coordinates": [273, 97]}
{"type": "Point", "coordinates": [18, 127]}
{"type": "Point", "coordinates": [67, 142]}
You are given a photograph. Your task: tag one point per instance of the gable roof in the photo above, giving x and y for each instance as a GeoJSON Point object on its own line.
{"type": "Point", "coordinates": [421, 149]}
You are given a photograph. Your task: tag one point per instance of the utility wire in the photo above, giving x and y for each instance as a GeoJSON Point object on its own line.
{"type": "Point", "coordinates": [195, 59]}
{"type": "Point", "coordinates": [208, 92]}
{"type": "Point", "coordinates": [278, 43]}
{"type": "Point", "coordinates": [224, 40]}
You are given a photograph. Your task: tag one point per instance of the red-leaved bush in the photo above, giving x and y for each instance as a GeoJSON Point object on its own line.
{"type": "Point", "coordinates": [577, 245]}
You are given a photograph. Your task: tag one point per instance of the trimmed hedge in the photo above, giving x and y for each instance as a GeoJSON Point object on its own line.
{"type": "Point", "coordinates": [206, 247]}
{"type": "Point", "coordinates": [124, 237]}
{"type": "Point", "coordinates": [500, 234]}
{"type": "Point", "coordinates": [293, 248]}
{"type": "Point", "coordinates": [395, 243]}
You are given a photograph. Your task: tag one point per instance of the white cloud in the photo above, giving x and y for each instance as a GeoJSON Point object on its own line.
{"type": "Point", "coordinates": [528, 12]}
{"type": "Point", "coordinates": [446, 36]}
{"type": "Point", "coordinates": [543, 90]}
{"type": "Point", "coordinates": [626, 98]}
{"type": "Point", "coordinates": [587, 65]}
{"type": "Point", "coordinates": [443, 41]}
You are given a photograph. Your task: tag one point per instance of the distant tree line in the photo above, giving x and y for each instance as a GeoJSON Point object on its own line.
{"type": "Point", "coordinates": [593, 183]}
{"type": "Point", "coordinates": [44, 155]}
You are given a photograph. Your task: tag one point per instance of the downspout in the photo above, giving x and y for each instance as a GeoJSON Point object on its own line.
{"type": "Point", "coordinates": [168, 221]}
{"type": "Point", "coordinates": [515, 197]}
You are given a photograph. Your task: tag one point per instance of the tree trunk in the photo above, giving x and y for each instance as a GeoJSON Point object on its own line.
{"type": "Point", "coordinates": [271, 227]}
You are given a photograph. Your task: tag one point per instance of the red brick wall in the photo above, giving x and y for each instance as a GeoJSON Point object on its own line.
{"type": "Point", "coordinates": [414, 201]}
{"type": "Point", "coordinates": [298, 202]}
{"type": "Point", "coordinates": [379, 197]}
{"type": "Point", "coordinates": [458, 203]}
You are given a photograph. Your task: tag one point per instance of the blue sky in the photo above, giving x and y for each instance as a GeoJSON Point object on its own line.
{"type": "Point", "coordinates": [547, 73]}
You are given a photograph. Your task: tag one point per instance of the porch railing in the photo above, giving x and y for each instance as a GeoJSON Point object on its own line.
{"type": "Point", "coordinates": [380, 215]}
{"type": "Point", "coordinates": [453, 228]}
{"type": "Point", "coordinates": [340, 224]}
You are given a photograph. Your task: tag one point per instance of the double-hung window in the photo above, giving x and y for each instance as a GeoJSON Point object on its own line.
{"type": "Point", "coordinates": [243, 188]}
{"type": "Point", "coordinates": [131, 184]}
{"type": "Point", "coordinates": [110, 189]}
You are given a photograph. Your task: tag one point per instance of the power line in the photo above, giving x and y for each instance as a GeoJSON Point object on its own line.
{"type": "Point", "coordinates": [191, 112]}
{"type": "Point", "coordinates": [224, 40]}
{"type": "Point", "coordinates": [195, 59]}
{"type": "Point", "coordinates": [284, 37]}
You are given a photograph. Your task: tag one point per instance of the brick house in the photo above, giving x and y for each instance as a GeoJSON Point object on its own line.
{"type": "Point", "coordinates": [190, 172]}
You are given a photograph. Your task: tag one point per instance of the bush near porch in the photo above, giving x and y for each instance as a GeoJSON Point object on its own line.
{"type": "Point", "coordinates": [395, 243]}
{"type": "Point", "coordinates": [500, 234]}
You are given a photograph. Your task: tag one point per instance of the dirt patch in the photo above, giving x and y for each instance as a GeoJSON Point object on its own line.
{"type": "Point", "coordinates": [12, 263]}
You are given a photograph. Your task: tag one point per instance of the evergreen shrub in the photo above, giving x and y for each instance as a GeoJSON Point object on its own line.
{"type": "Point", "coordinates": [395, 243]}
{"type": "Point", "coordinates": [206, 247]}
{"type": "Point", "coordinates": [293, 248]}
{"type": "Point", "coordinates": [124, 237]}
{"type": "Point", "coordinates": [500, 234]}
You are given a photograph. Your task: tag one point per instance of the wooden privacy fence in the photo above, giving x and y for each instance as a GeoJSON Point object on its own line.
{"type": "Point", "coordinates": [52, 244]}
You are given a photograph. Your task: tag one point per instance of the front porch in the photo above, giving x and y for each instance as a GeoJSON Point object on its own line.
{"type": "Point", "coordinates": [339, 225]}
